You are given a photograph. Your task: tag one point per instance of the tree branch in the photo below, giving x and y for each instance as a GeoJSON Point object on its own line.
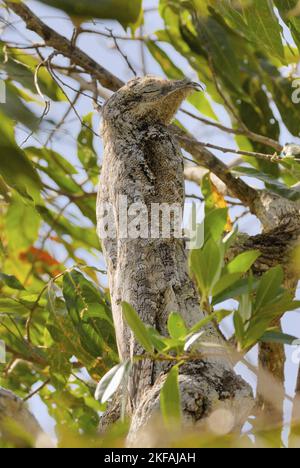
{"type": "Point", "coordinates": [239, 131]}
{"type": "Point", "coordinates": [64, 46]}
{"type": "Point", "coordinates": [236, 186]}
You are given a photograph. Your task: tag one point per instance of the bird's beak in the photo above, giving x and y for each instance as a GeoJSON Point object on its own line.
{"type": "Point", "coordinates": [188, 84]}
{"type": "Point", "coordinates": [196, 86]}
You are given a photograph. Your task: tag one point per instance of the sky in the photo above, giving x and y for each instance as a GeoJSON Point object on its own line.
{"type": "Point", "coordinates": [103, 51]}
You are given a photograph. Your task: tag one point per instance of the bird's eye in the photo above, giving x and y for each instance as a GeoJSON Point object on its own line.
{"type": "Point", "coordinates": [150, 89]}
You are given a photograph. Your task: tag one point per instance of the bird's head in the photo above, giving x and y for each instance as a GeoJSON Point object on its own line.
{"type": "Point", "coordinates": [150, 99]}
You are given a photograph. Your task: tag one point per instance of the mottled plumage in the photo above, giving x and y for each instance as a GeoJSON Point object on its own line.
{"type": "Point", "coordinates": [143, 161]}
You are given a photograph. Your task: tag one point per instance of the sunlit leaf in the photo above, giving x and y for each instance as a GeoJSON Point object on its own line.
{"type": "Point", "coordinates": [170, 401]}
{"type": "Point", "coordinates": [137, 326]}
{"type": "Point", "coordinates": [110, 383]}
{"type": "Point", "coordinates": [11, 281]}
{"type": "Point", "coordinates": [125, 13]}
{"type": "Point", "coordinates": [176, 326]}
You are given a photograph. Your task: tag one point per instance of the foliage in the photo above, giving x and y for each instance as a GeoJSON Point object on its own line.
{"type": "Point", "coordinates": [55, 314]}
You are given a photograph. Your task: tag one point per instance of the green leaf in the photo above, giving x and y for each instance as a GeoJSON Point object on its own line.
{"type": "Point", "coordinates": [95, 330]}
{"type": "Point", "coordinates": [283, 303]}
{"type": "Point", "coordinates": [225, 282]}
{"type": "Point", "coordinates": [19, 232]}
{"type": "Point", "coordinates": [213, 37]}
{"type": "Point", "coordinates": [238, 327]}
{"type": "Point", "coordinates": [269, 287]}
{"type": "Point", "coordinates": [215, 222]}
{"type": "Point", "coordinates": [125, 12]}
{"type": "Point", "coordinates": [16, 110]}
{"type": "Point", "coordinates": [158, 341]}
{"type": "Point", "coordinates": [243, 262]}
{"type": "Point", "coordinates": [277, 337]}
{"type": "Point", "coordinates": [21, 67]}
{"type": "Point", "coordinates": [206, 265]}
{"type": "Point", "coordinates": [245, 307]}
{"type": "Point", "coordinates": [11, 281]}
{"type": "Point", "coordinates": [282, 94]}
{"type": "Point", "coordinates": [264, 317]}
{"type": "Point", "coordinates": [271, 183]}
{"type": "Point", "coordinates": [171, 70]}
{"type": "Point", "coordinates": [60, 366]}
{"type": "Point", "coordinates": [12, 306]}
{"type": "Point", "coordinates": [207, 190]}
{"type": "Point", "coordinates": [86, 151]}
{"type": "Point", "coordinates": [55, 162]}
{"type": "Point", "coordinates": [176, 326]}
{"type": "Point", "coordinates": [236, 290]}
{"type": "Point", "coordinates": [170, 401]}
{"type": "Point", "coordinates": [286, 7]}
{"type": "Point", "coordinates": [17, 170]}
{"type": "Point", "coordinates": [111, 381]}
{"type": "Point", "coordinates": [137, 326]}
{"type": "Point", "coordinates": [258, 23]}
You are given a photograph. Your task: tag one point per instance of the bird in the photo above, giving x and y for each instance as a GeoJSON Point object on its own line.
{"type": "Point", "coordinates": [142, 162]}
{"type": "Point", "coordinates": [143, 165]}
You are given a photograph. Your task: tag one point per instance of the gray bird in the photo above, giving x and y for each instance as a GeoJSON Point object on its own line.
{"type": "Point", "coordinates": [143, 162]}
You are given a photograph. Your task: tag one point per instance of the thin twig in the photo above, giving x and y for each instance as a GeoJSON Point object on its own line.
{"type": "Point", "coordinates": [259, 138]}
{"type": "Point", "coordinates": [38, 390]}
{"type": "Point", "coordinates": [30, 317]}
{"type": "Point", "coordinates": [63, 45]}
{"type": "Point", "coordinates": [25, 47]}
{"type": "Point", "coordinates": [239, 131]}
{"type": "Point", "coordinates": [140, 38]}
{"type": "Point", "coordinates": [57, 79]}
{"type": "Point", "coordinates": [46, 101]}
{"type": "Point", "coordinates": [266, 157]}
{"type": "Point", "coordinates": [121, 52]}
{"type": "Point", "coordinates": [143, 55]}
{"type": "Point", "coordinates": [196, 197]}
{"type": "Point", "coordinates": [62, 121]}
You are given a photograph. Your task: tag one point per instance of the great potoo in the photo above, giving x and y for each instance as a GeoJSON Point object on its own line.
{"type": "Point", "coordinates": [143, 170]}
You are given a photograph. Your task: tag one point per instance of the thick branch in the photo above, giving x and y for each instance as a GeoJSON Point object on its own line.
{"type": "Point", "coordinates": [197, 173]}
{"type": "Point", "coordinates": [236, 186]}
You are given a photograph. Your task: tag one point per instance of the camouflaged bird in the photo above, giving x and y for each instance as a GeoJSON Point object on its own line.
{"type": "Point", "coordinates": [143, 162]}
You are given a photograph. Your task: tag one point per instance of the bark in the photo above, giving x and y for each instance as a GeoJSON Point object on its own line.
{"type": "Point", "coordinates": [281, 225]}
{"type": "Point", "coordinates": [144, 163]}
